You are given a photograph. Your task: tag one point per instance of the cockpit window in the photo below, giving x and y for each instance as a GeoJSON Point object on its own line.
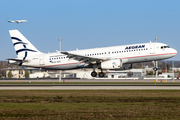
{"type": "Point", "coordinates": [164, 47]}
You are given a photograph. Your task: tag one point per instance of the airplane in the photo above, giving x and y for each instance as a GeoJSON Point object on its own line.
{"type": "Point", "coordinates": [113, 58]}
{"type": "Point", "coordinates": [16, 21]}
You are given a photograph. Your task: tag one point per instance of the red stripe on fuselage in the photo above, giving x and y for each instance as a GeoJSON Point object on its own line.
{"type": "Point", "coordinates": [60, 64]}
{"type": "Point", "coordinates": [148, 55]}
{"type": "Point", "coordinates": [118, 58]}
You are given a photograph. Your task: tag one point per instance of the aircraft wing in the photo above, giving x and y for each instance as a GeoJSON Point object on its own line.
{"type": "Point", "coordinates": [20, 21]}
{"type": "Point", "coordinates": [85, 59]}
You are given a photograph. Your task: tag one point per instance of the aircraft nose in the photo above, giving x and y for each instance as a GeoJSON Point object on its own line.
{"type": "Point", "coordinates": [174, 51]}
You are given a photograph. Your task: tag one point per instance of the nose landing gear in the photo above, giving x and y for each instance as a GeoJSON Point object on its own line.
{"type": "Point", "coordinates": [155, 68]}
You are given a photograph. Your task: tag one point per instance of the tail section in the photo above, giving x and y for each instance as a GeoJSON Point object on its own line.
{"type": "Point", "coordinates": [22, 46]}
{"type": "Point", "coordinates": [9, 20]}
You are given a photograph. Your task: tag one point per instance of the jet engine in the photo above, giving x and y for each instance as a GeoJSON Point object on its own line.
{"type": "Point", "coordinates": [111, 64]}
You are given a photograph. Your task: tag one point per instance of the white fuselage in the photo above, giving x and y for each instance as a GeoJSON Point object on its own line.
{"type": "Point", "coordinates": [127, 53]}
{"type": "Point", "coordinates": [18, 21]}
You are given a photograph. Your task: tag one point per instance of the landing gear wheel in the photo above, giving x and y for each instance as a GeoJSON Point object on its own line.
{"type": "Point", "coordinates": [94, 74]}
{"type": "Point", "coordinates": [101, 74]}
{"type": "Point", "coordinates": [155, 69]}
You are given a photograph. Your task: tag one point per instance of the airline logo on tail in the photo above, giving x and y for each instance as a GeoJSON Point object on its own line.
{"type": "Point", "coordinates": [24, 45]}
{"type": "Point", "coordinates": [9, 20]}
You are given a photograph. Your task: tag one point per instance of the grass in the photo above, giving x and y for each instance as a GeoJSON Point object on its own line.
{"type": "Point", "coordinates": [90, 104]}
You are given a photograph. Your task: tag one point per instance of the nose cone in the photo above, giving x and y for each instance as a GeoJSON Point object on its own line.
{"type": "Point", "coordinates": [174, 52]}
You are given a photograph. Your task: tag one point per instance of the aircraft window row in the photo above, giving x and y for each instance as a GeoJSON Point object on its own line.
{"type": "Point", "coordinates": [116, 52]}
{"type": "Point", "coordinates": [162, 47]}
{"type": "Point", "coordinates": [95, 54]}
{"type": "Point", "coordinates": [57, 58]}
{"type": "Point", "coordinates": [129, 50]}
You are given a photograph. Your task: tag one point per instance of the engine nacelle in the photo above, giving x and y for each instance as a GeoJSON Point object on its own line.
{"type": "Point", "coordinates": [111, 64]}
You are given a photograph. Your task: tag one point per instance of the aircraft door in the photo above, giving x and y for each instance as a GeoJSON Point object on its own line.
{"type": "Point", "coordinates": [41, 60]}
{"type": "Point", "coordinates": [152, 48]}
{"type": "Point", "coordinates": [107, 54]}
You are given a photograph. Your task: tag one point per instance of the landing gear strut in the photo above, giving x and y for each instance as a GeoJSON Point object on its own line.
{"type": "Point", "coordinates": [155, 68]}
{"type": "Point", "coordinates": [94, 73]}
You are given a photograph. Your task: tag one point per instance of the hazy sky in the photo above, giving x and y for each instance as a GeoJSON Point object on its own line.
{"type": "Point", "coordinates": [89, 23]}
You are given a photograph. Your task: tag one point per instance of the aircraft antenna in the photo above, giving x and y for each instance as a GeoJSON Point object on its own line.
{"type": "Point", "coordinates": [60, 39]}
{"type": "Point", "coordinates": [156, 39]}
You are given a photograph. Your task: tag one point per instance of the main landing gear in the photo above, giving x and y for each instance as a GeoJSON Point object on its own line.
{"type": "Point", "coordinates": [94, 74]}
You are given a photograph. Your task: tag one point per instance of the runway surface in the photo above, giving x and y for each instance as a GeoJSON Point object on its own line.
{"type": "Point", "coordinates": [92, 80]}
{"type": "Point", "coordinates": [90, 87]}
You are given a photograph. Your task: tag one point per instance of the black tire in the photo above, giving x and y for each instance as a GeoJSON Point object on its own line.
{"type": "Point", "coordinates": [101, 74]}
{"type": "Point", "coordinates": [94, 74]}
{"type": "Point", "coordinates": [155, 69]}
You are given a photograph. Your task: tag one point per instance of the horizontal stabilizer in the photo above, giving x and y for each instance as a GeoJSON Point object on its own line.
{"type": "Point", "coordinates": [18, 60]}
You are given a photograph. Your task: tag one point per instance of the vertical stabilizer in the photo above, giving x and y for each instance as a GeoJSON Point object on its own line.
{"type": "Point", "coordinates": [22, 46]}
{"type": "Point", "coordinates": [9, 20]}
